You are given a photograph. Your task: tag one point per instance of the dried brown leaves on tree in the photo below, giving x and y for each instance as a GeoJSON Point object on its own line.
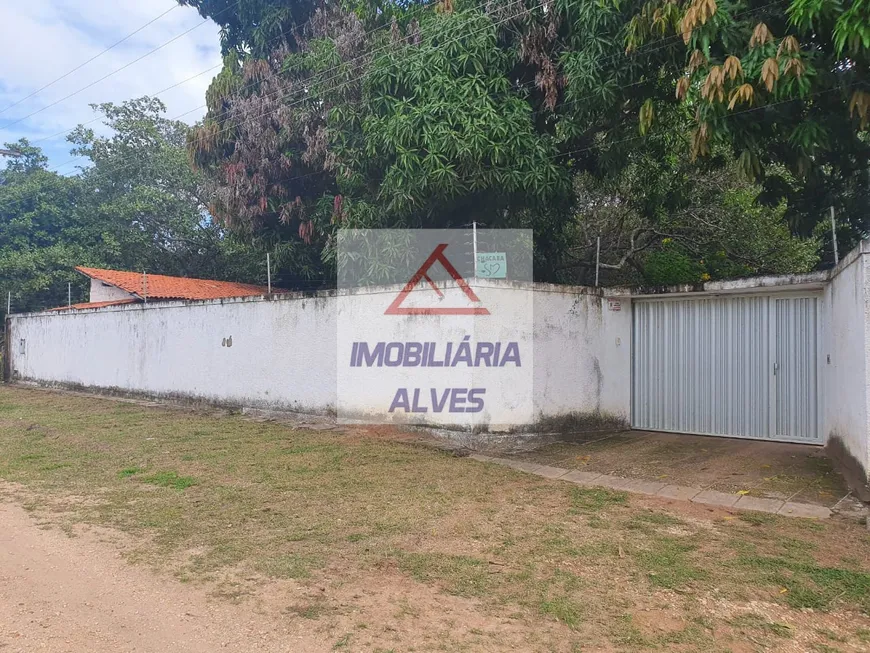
{"type": "Point", "coordinates": [265, 140]}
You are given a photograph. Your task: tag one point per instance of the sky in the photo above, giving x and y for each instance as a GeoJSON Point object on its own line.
{"type": "Point", "coordinates": [44, 39]}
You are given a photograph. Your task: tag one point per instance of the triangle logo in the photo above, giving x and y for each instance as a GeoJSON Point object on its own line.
{"type": "Point", "coordinates": [437, 254]}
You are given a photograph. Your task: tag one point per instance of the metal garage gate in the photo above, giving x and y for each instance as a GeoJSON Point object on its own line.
{"type": "Point", "coordinates": [733, 366]}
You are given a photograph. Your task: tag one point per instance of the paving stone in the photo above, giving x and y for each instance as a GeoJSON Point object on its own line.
{"type": "Point", "coordinates": [550, 472]}
{"type": "Point", "coordinates": [759, 504]}
{"type": "Point", "coordinates": [581, 477]}
{"type": "Point", "coordinates": [520, 465]}
{"type": "Point", "coordinates": [613, 482]}
{"type": "Point", "coordinates": [716, 498]}
{"type": "Point", "coordinates": [482, 458]}
{"type": "Point", "coordinates": [681, 492]}
{"type": "Point", "coordinates": [644, 487]}
{"type": "Point", "coordinates": [791, 509]}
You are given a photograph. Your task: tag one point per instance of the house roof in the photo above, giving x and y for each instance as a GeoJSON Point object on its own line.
{"type": "Point", "coordinates": [159, 286]}
{"type": "Point", "coordinates": [113, 302]}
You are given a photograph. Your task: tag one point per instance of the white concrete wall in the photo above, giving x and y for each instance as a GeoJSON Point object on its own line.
{"type": "Point", "coordinates": [582, 354]}
{"type": "Point", "coordinates": [283, 352]}
{"type": "Point", "coordinates": [101, 292]}
{"type": "Point", "coordinates": [846, 355]}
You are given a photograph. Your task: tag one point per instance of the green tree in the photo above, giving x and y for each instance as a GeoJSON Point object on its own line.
{"type": "Point", "coordinates": [252, 26]}
{"type": "Point", "coordinates": [38, 214]}
{"type": "Point", "coordinates": [703, 222]}
{"type": "Point", "coordinates": [146, 203]}
{"type": "Point", "coordinates": [137, 206]}
{"type": "Point", "coordinates": [784, 85]}
{"type": "Point", "coordinates": [410, 115]}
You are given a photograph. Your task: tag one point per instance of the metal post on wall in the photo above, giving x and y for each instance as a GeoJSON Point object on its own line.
{"type": "Point", "coordinates": [597, 258]}
{"type": "Point", "coordinates": [269, 273]}
{"type": "Point", "coordinates": [834, 237]}
{"type": "Point", "coordinates": [474, 247]}
{"type": "Point", "coordinates": [69, 294]}
{"type": "Point", "coordinates": [144, 286]}
{"type": "Point", "coordinates": [6, 350]}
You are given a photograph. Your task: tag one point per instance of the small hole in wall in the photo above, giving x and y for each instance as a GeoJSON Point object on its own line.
{"type": "Point", "coordinates": [21, 346]}
{"type": "Point", "coordinates": [227, 342]}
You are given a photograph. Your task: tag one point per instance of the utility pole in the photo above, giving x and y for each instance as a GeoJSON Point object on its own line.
{"type": "Point", "coordinates": [834, 236]}
{"type": "Point", "coordinates": [269, 273]}
{"type": "Point", "coordinates": [145, 286]}
{"type": "Point", "coordinates": [68, 295]}
{"type": "Point", "coordinates": [10, 153]}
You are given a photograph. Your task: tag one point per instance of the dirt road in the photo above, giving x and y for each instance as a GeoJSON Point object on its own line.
{"type": "Point", "coordinates": [77, 594]}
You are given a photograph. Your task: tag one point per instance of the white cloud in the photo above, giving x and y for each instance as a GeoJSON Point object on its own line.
{"type": "Point", "coordinates": [43, 39]}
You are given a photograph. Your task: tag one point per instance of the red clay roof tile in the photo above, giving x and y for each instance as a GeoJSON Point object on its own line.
{"type": "Point", "coordinates": [159, 286]}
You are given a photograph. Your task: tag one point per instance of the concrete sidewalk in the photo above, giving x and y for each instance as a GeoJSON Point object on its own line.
{"type": "Point", "coordinates": [738, 500]}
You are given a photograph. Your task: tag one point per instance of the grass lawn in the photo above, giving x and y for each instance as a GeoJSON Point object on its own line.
{"type": "Point", "coordinates": [383, 545]}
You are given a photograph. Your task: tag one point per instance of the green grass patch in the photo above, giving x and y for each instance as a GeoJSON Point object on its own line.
{"type": "Point", "coordinates": [336, 509]}
{"type": "Point", "coordinates": [757, 518]}
{"type": "Point", "coordinates": [289, 566]}
{"type": "Point", "coordinates": [564, 609]}
{"type": "Point", "coordinates": [591, 500]}
{"type": "Point", "coordinates": [668, 562]}
{"type": "Point", "coordinates": [810, 585]}
{"type": "Point", "coordinates": [170, 479]}
{"type": "Point", "coordinates": [53, 466]}
{"type": "Point", "coordinates": [460, 575]}
{"type": "Point", "coordinates": [624, 632]}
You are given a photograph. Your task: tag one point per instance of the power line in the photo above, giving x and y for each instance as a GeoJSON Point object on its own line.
{"type": "Point", "coordinates": [417, 10]}
{"type": "Point", "coordinates": [94, 58]}
{"type": "Point", "coordinates": [314, 77]}
{"type": "Point", "coordinates": [117, 70]}
{"type": "Point", "coordinates": [665, 40]}
{"type": "Point", "coordinates": [645, 50]}
{"type": "Point", "coordinates": [97, 119]}
{"type": "Point", "coordinates": [514, 2]}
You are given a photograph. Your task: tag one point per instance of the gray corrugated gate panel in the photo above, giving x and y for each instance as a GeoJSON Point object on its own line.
{"type": "Point", "coordinates": [707, 366]}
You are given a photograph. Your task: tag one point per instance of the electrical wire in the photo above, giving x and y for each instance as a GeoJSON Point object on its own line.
{"type": "Point", "coordinates": [272, 75]}
{"type": "Point", "coordinates": [313, 78]}
{"type": "Point", "coordinates": [94, 58]}
{"type": "Point", "coordinates": [117, 70]}
{"type": "Point", "coordinates": [667, 41]}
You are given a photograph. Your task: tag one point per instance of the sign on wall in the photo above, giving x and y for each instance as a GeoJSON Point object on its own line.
{"type": "Point", "coordinates": [492, 265]}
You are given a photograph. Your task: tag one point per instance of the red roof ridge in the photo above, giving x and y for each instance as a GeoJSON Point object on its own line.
{"type": "Point", "coordinates": [111, 302]}
{"type": "Point", "coordinates": [161, 286]}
